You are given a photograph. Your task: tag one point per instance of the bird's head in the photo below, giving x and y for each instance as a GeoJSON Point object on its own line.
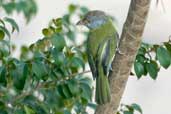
{"type": "Point", "coordinates": [94, 19]}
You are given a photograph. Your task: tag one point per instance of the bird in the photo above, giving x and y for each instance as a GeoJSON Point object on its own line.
{"type": "Point", "coordinates": [101, 47]}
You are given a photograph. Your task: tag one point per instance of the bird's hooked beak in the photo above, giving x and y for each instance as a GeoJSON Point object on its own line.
{"type": "Point", "coordinates": [82, 22]}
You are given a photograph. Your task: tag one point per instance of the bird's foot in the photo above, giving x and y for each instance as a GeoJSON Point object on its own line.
{"type": "Point", "coordinates": [111, 69]}
{"type": "Point", "coordinates": [119, 51]}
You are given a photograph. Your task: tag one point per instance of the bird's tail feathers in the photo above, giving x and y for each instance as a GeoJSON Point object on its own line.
{"type": "Point", "coordinates": [102, 90]}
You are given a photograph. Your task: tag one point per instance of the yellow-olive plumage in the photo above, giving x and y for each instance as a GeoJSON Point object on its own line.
{"type": "Point", "coordinates": [101, 47]}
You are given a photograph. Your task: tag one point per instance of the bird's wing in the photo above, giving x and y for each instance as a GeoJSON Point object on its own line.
{"type": "Point", "coordinates": [92, 63]}
{"type": "Point", "coordinates": [106, 52]}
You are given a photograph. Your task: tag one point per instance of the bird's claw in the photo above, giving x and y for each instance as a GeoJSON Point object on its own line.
{"type": "Point", "coordinates": [111, 69]}
{"type": "Point", "coordinates": [119, 51]}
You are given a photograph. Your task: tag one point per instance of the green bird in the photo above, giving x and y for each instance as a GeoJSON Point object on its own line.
{"type": "Point", "coordinates": [101, 47]}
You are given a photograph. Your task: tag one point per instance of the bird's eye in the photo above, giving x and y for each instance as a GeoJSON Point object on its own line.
{"type": "Point", "coordinates": [88, 21]}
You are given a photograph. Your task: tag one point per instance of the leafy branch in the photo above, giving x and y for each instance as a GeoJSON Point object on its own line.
{"type": "Point", "coordinates": [151, 58]}
{"type": "Point", "coordinates": [44, 85]}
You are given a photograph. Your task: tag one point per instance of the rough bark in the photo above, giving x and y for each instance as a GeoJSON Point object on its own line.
{"type": "Point", "coordinates": [129, 45]}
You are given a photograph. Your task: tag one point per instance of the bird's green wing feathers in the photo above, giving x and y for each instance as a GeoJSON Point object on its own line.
{"type": "Point", "coordinates": [102, 57]}
{"type": "Point", "coordinates": [92, 63]}
{"type": "Point", "coordinates": [106, 56]}
{"type": "Point", "coordinates": [106, 52]}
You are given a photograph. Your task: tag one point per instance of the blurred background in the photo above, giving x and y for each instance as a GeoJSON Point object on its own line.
{"type": "Point", "coordinates": [153, 96]}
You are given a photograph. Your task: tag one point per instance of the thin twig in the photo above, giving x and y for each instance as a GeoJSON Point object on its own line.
{"type": "Point", "coordinates": [41, 85]}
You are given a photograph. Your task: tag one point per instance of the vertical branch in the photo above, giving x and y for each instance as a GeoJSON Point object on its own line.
{"type": "Point", "coordinates": [129, 45]}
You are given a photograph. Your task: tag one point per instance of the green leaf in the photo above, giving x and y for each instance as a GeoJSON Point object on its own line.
{"type": "Point", "coordinates": [58, 41]}
{"type": "Point", "coordinates": [39, 56]}
{"type": "Point", "coordinates": [77, 62]}
{"type": "Point", "coordinates": [66, 19]}
{"type": "Point", "coordinates": [59, 112]}
{"type": "Point", "coordinates": [3, 80]}
{"type": "Point", "coordinates": [67, 112]}
{"type": "Point", "coordinates": [152, 68]}
{"type": "Point", "coordinates": [3, 108]}
{"type": "Point", "coordinates": [86, 92]}
{"type": "Point", "coordinates": [66, 91]}
{"type": "Point", "coordinates": [2, 35]}
{"type": "Point", "coordinates": [73, 87]}
{"type": "Point", "coordinates": [139, 69]}
{"type": "Point", "coordinates": [84, 10]}
{"type": "Point", "coordinates": [53, 98]}
{"type": "Point", "coordinates": [92, 105]}
{"type": "Point", "coordinates": [29, 110]}
{"type": "Point", "coordinates": [84, 80]}
{"type": "Point", "coordinates": [28, 8]}
{"type": "Point", "coordinates": [5, 31]}
{"type": "Point", "coordinates": [2, 105]}
{"type": "Point", "coordinates": [34, 105]}
{"type": "Point", "coordinates": [136, 107]}
{"type": "Point", "coordinates": [164, 57]}
{"type": "Point", "coordinates": [3, 111]}
{"type": "Point", "coordinates": [58, 22]}
{"type": "Point", "coordinates": [168, 46]}
{"type": "Point", "coordinates": [47, 32]}
{"type": "Point", "coordinates": [60, 91]}
{"type": "Point", "coordinates": [127, 112]}
{"type": "Point", "coordinates": [19, 75]}
{"type": "Point", "coordinates": [130, 109]}
{"type": "Point", "coordinates": [13, 23]}
{"type": "Point", "coordinates": [2, 22]}
{"type": "Point", "coordinates": [9, 7]}
{"type": "Point", "coordinates": [142, 51]}
{"type": "Point", "coordinates": [155, 47]}
{"type": "Point", "coordinates": [72, 8]}
{"type": "Point", "coordinates": [58, 29]}
{"type": "Point", "coordinates": [59, 57]}
{"type": "Point", "coordinates": [71, 35]}
{"type": "Point", "coordinates": [19, 111]}
{"type": "Point", "coordinates": [5, 49]}
{"type": "Point", "coordinates": [39, 69]}
{"type": "Point", "coordinates": [141, 58]}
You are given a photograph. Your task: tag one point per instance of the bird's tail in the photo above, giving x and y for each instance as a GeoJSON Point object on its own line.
{"type": "Point", "coordinates": [102, 90]}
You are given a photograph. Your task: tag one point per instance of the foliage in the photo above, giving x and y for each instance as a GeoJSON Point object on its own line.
{"type": "Point", "coordinates": [46, 78]}
{"type": "Point", "coordinates": [151, 58]}
{"type": "Point", "coordinates": [27, 7]}
{"type": "Point", "coordinates": [5, 46]}
{"type": "Point", "coordinates": [130, 109]}
{"type": "Point", "coordinates": [49, 77]}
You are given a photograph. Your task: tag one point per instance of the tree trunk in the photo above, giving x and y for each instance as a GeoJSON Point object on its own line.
{"type": "Point", "coordinates": [129, 45]}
